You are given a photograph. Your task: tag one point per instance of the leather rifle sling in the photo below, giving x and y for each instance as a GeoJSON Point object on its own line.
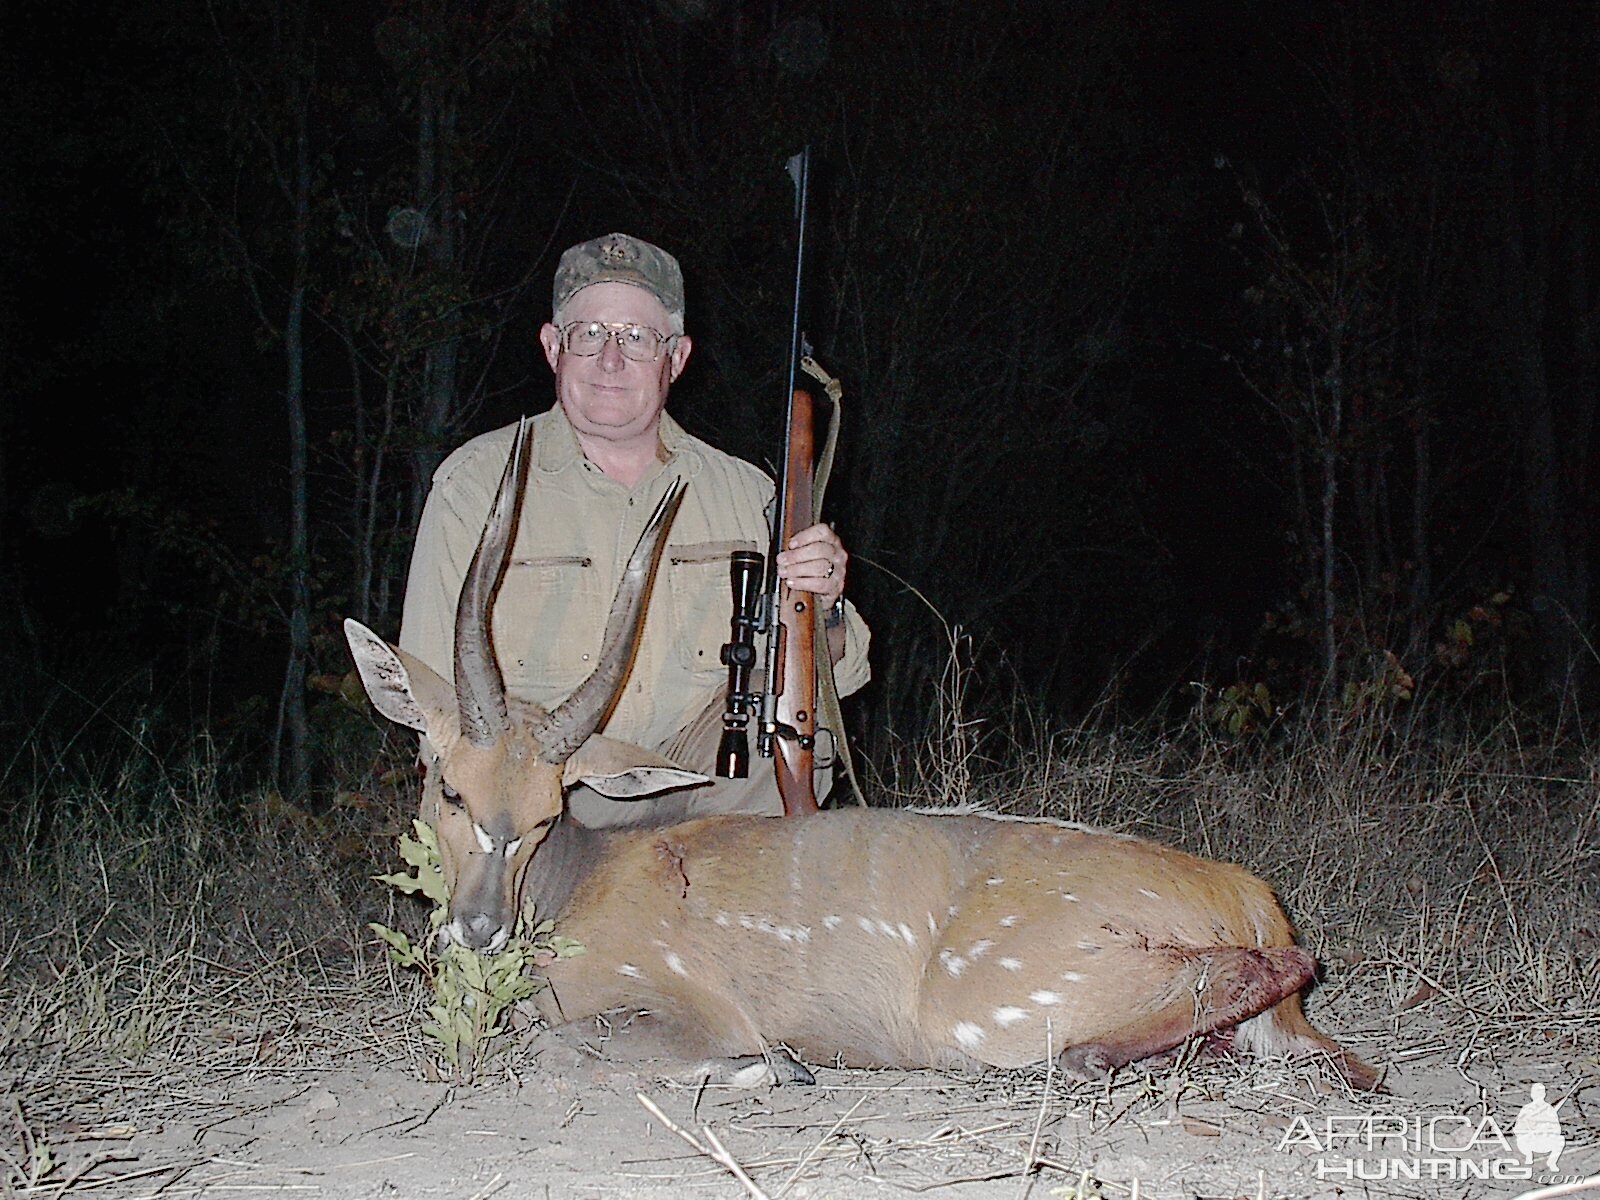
{"type": "Point", "coordinates": [828, 709]}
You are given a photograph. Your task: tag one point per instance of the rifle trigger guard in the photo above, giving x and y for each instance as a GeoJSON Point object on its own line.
{"type": "Point", "coordinates": [833, 747]}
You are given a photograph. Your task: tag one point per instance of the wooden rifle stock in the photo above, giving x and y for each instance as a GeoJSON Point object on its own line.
{"type": "Point", "coordinates": [795, 627]}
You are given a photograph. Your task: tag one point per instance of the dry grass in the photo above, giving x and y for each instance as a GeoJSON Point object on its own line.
{"type": "Point", "coordinates": [166, 943]}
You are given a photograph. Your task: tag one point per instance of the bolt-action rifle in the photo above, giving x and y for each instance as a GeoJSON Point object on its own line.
{"type": "Point", "coordinates": [793, 685]}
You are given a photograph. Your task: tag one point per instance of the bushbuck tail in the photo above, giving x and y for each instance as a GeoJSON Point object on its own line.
{"type": "Point", "coordinates": [867, 937]}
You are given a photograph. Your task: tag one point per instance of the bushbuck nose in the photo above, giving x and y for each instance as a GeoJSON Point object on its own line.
{"type": "Point", "coordinates": [482, 932]}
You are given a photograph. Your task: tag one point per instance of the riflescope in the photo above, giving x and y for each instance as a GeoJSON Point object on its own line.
{"type": "Point", "coordinates": [745, 576]}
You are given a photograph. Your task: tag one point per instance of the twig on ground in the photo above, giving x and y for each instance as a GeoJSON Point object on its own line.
{"type": "Point", "coordinates": [716, 1151]}
{"type": "Point", "coordinates": [1032, 1162]}
{"type": "Point", "coordinates": [816, 1149]}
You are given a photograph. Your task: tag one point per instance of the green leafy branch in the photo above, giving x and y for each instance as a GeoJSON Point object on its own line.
{"type": "Point", "coordinates": [473, 993]}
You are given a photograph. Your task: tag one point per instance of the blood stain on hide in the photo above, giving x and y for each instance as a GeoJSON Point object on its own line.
{"type": "Point", "coordinates": [673, 857]}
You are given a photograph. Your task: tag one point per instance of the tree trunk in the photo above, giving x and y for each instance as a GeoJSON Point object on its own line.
{"type": "Point", "coordinates": [436, 132]}
{"type": "Point", "coordinates": [363, 501]}
{"type": "Point", "coordinates": [295, 729]}
{"type": "Point", "coordinates": [1328, 500]}
{"type": "Point", "coordinates": [1554, 603]}
{"type": "Point", "coordinates": [1421, 575]}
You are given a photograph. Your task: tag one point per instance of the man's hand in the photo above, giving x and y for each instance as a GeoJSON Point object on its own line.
{"type": "Point", "coordinates": [815, 561]}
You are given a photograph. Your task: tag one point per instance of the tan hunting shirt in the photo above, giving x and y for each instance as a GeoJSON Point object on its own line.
{"type": "Point", "coordinates": [577, 528]}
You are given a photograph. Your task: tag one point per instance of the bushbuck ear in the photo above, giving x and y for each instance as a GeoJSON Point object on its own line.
{"type": "Point", "coordinates": [401, 686]}
{"type": "Point", "coordinates": [622, 771]}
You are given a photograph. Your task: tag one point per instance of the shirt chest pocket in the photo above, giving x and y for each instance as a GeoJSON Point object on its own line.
{"type": "Point", "coordinates": [702, 602]}
{"type": "Point", "coordinates": [549, 619]}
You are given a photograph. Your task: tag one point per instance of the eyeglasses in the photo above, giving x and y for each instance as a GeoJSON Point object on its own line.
{"type": "Point", "coordinates": [638, 343]}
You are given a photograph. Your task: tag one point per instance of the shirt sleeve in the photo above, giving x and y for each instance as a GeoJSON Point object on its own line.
{"type": "Point", "coordinates": [853, 670]}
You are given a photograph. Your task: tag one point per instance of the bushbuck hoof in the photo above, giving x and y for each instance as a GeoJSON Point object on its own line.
{"type": "Point", "coordinates": [1094, 1062]}
{"type": "Point", "coordinates": [773, 1069]}
{"type": "Point", "coordinates": [1088, 1063]}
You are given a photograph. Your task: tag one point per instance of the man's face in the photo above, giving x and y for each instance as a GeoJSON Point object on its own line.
{"type": "Point", "coordinates": [607, 396]}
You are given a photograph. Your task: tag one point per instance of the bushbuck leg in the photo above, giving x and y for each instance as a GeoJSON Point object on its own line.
{"type": "Point", "coordinates": [1213, 990]}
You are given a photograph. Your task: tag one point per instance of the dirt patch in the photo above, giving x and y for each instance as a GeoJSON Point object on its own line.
{"type": "Point", "coordinates": [565, 1118]}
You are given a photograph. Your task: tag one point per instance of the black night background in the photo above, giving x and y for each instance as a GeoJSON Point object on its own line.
{"type": "Point", "coordinates": [1220, 382]}
{"type": "Point", "coordinates": [1181, 346]}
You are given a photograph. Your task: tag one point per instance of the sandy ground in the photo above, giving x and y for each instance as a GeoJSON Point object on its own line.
{"type": "Point", "coordinates": [567, 1120]}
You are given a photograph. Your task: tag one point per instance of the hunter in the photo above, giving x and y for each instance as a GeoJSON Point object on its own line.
{"type": "Point", "coordinates": [603, 455]}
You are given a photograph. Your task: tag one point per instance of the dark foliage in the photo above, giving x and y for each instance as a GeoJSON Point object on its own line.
{"type": "Point", "coordinates": [1251, 348]}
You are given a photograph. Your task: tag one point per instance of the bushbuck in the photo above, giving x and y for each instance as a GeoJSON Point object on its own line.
{"type": "Point", "coordinates": [862, 936]}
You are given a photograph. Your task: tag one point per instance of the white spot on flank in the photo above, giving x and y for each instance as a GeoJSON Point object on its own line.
{"type": "Point", "coordinates": [1045, 998]}
{"type": "Point", "coordinates": [723, 919]}
{"type": "Point", "coordinates": [952, 961]}
{"type": "Point", "coordinates": [980, 947]}
{"type": "Point", "coordinates": [933, 926]}
{"type": "Point", "coordinates": [995, 880]}
{"type": "Point", "coordinates": [866, 924]}
{"type": "Point", "coordinates": [1149, 893]}
{"type": "Point", "coordinates": [1008, 922]}
{"type": "Point", "coordinates": [675, 964]}
{"type": "Point", "coordinates": [830, 921]}
{"type": "Point", "coordinates": [887, 929]}
{"type": "Point", "coordinates": [784, 933]}
{"type": "Point", "coordinates": [1069, 896]}
{"type": "Point", "coordinates": [1009, 1015]}
{"type": "Point", "coordinates": [906, 935]}
{"type": "Point", "coordinates": [1011, 964]}
{"type": "Point", "coordinates": [631, 971]}
{"type": "Point", "coordinates": [1089, 947]}
{"type": "Point", "coordinates": [1072, 976]}
{"type": "Point", "coordinates": [970, 1036]}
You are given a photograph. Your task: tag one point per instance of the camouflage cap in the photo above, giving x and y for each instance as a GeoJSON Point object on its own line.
{"type": "Point", "coordinates": [619, 258]}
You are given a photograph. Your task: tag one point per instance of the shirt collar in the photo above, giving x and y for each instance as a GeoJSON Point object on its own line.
{"type": "Point", "coordinates": [557, 442]}
{"type": "Point", "coordinates": [558, 447]}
